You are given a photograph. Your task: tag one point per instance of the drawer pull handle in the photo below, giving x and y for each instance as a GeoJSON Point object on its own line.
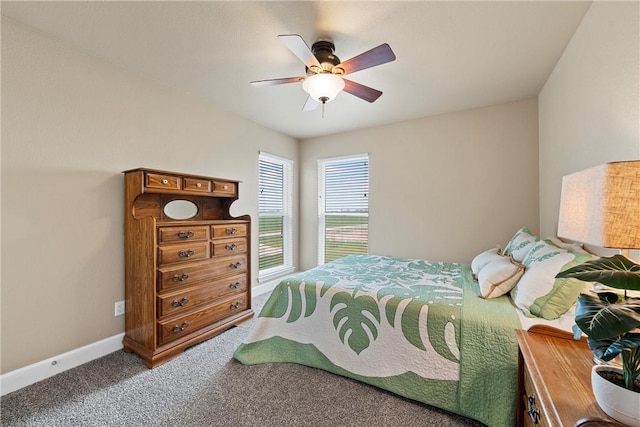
{"type": "Point", "coordinates": [231, 247]}
{"type": "Point", "coordinates": [533, 412]}
{"type": "Point", "coordinates": [165, 181]}
{"type": "Point", "coordinates": [185, 234]}
{"type": "Point", "coordinates": [226, 187]}
{"type": "Point", "coordinates": [198, 184]}
{"type": "Point", "coordinates": [186, 254]}
{"type": "Point", "coordinates": [232, 230]}
{"type": "Point", "coordinates": [236, 305]}
{"type": "Point", "coordinates": [236, 265]}
{"type": "Point", "coordinates": [234, 285]}
{"type": "Point", "coordinates": [180, 303]}
{"type": "Point", "coordinates": [182, 278]}
{"type": "Point", "coordinates": [179, 328]}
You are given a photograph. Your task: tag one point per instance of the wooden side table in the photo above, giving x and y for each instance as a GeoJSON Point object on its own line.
{"type": "Point", "coordinates": [554, 382]}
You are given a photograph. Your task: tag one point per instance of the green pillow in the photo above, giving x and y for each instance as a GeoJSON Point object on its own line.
{"type": "Point", "coordinates": [538, 292]}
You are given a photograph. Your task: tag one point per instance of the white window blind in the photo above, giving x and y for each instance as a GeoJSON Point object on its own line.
{"type": "Point", "coordinates": [275, 252]}
{"type": "Point", "coordinates": [343, 207]}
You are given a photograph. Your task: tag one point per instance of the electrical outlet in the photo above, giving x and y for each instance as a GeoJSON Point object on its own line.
{"type": "Point", "coordinates": [119, 308]}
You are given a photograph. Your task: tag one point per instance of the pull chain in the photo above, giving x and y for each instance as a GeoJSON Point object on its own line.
{"type": "Point", "coordinates": [324, 100]}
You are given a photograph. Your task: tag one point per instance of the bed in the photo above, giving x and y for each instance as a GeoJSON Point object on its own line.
{"type": "Point", "coordinates": [414, 327]}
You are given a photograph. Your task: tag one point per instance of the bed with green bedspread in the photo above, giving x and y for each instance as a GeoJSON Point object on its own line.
{"type": "Point", "coordinates": [413, 327]}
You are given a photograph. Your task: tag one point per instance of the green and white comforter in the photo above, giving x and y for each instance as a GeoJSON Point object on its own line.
{"type": "Point", "coordinates": [413, 327]}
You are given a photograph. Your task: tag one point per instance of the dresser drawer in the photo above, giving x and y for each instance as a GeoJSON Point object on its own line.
{"type": "Point", "coordinates": [230, 264]}
{"type": "Point", "coordinates": [200, 295]}
{"type": "Point", "coordinates": [165, 182]}
{"type": "Point", "coordinates": [185, 275]}
{"type": "Point", "coordinates": [175, 328]}
{"type": "Point", "coordinates": [183, 252]}
{"type": "Point", "coordinates": [228, 230]}
{"type": "Point", "coordinates": [228, 247]}
{"type": "Point", "coordinates": [200, 185]}
{"type": "Point", "coordinates": [180, 276]}
{"type": "Point", "coordinates": [224, 188]}
{"type": "Point", "coordinates": [179, 234]}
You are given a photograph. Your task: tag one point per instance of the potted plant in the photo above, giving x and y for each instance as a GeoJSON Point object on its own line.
{"type": "Point", "coordinates": [611, 323]}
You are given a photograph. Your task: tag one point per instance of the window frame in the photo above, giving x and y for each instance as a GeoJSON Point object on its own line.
{"type": "Point", "coordinates": [287, 216]}
{"type": "Point", "coordinates": [322, 214]}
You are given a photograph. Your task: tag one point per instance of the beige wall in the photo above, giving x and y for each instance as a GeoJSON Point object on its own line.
{"type": "Point", "coordinates": [590, 105]}
{"type": "Point", "coordinates": [441, 188]}
{"type": "Point", "coordinates": [70, 124]}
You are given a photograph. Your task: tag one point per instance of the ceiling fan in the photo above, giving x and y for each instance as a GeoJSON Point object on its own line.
{"type": "Point", "coordinates": [323, 80]}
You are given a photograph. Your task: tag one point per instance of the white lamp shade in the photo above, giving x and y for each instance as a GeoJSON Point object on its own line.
{"type": "Point", "coordinates": [600, 206]}
{"type": "Point", "coordinates": [323, 87]}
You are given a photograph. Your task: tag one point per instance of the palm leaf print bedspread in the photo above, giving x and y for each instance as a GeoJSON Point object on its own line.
{"type": "Point", "coordinates": [413, 327]}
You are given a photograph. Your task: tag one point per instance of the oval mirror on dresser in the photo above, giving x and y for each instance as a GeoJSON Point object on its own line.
{"type": "Point", "coordinates": [180, 209]}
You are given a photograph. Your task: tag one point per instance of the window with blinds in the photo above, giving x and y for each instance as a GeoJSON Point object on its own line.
{"type": "Point", "coordinates": [343, 207]}
{"type": "Point", "coordinates": [275, 252]}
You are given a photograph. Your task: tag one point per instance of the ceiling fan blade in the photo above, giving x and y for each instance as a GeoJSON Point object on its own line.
{"type": "Point", "coordinates": [296, 44]}
{"type": "Point", "coordinates": [310, 104]}
{"type": "Point", "coordinates": [376, 56]}
{"type": "Point", "coordinates": [361, 91]}
{"type": "Point", "coordinates": [273, 82]}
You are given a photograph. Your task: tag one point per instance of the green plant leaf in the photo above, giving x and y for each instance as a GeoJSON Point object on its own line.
{"type": "Point", "coordinates": [603, 349]}
{"type": "Point", "coordinates": [600, 319]}
{"type": "Point", "coordinates": [615, 271]}
{"type": "Point", "coordinates": [356, 321]}
{"type": "Point", "coordinates": [610, 348]}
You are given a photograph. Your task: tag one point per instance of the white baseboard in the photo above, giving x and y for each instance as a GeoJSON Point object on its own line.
{"type": "Point", "coordinates": [15, 380]}
{"type": "Point", "coordinates": [264, 288]}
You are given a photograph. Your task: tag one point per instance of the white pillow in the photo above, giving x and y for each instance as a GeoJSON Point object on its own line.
{"type": "Point", "coordinates": [499, 276]}
{"type": "Point", "coordinates": [484, 258]}
{"type": "Point", "coordinates": [538, 292]}
{"type": "Point", "coordinates": [520, 244]}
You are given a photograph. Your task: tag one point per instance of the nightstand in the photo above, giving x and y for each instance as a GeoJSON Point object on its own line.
{"type": "Point", "coordinates": [554, 382]}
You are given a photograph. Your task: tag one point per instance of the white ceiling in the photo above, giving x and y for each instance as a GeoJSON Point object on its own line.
{"type": "Point", "coordinates": [450, 55]}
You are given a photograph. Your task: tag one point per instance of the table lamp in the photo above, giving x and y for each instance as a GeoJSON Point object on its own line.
{"type": "Point", "coordinates": [600, 206]}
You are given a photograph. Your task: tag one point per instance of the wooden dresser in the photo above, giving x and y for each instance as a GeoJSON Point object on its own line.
{"type": "Point", "coordinates": [187, 262]}
{"type": "Point", "coordinates": [555, 382]}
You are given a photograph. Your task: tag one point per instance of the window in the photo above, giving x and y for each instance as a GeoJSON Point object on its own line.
{"type": "Point", "coordinates": [343, 207]}
{"type": "Point", "coordinates": [275, 252]}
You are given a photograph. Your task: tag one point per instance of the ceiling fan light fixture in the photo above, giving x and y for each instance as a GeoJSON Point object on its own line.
{"type": "Point", "coordinates": [323, 87]}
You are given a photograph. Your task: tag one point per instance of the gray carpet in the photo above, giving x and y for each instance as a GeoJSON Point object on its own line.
{"type": "Point", "coordinates": [207, 387]}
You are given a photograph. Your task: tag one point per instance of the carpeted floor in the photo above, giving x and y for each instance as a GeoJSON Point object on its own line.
{"type": "Point", "coordinates": [207, 387]}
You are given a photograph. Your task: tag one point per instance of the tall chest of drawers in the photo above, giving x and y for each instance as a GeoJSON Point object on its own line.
{"type": "Point", "coordinates": [187, 262]}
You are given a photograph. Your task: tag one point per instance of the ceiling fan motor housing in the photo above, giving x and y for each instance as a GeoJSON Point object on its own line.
{"type": "Point", "coordinates": [323, 51]}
